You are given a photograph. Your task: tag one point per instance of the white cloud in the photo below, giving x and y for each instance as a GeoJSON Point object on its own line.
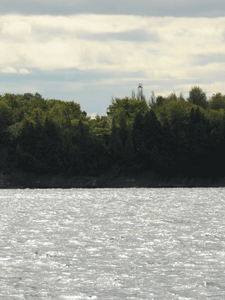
{"type": "Point", "coordinates": [16, 27]}
{"type": "Point", "coordinates": [24, 71]}
{"type": "Point", "coordinates": [165, 50]}
{"type": "Point", "coordinates": [8, 70]}
{"type": "Point", "coordinates": [21, 71]}
{"type": "Point", "coordinates": [47, 42]}
{"type": "Point", "coordinates": [92, 115]}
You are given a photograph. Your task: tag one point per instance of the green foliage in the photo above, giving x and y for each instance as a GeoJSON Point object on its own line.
{"type": "Point", "coordinates": [115, 144]}
{"type": "Point", "coordinates": [169, 135]}
{"type": "Point", "coordinates": [137, 131]}
{"type": "Point", "coordinates": [198, 97]}
{"type": "Point", "coordinates": [178, 113]}
{"type": "Point", "coordinates": [100, 125]}
{"type": "Point", "coordinates": [159, 100]}
{"type": "Point", "coordinates": [5, 119]}
{"type": "Point", "coordinates": [217, 102]}
{"type": "Point", "coordinates": [127, 108]}
{"type": "Point", "coordinates": [129, 150]}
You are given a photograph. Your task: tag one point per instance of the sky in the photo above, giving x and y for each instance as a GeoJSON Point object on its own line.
{"type": "Point", "coordinates": [91, 51]}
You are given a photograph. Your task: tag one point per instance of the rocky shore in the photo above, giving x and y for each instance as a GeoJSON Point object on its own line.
{"type": "Point", "coordinates": [23, 180]}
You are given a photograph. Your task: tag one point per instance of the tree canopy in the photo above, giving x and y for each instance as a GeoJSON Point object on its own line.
{"type": "Point", "coordinates": [167, 135]}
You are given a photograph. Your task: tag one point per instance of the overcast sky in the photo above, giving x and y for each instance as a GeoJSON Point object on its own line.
{"type": "Point", "coordinates": [89, 51]}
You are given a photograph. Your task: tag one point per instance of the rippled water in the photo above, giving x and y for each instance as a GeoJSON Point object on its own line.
{"type": "Point", "coordinates": [112, 244]}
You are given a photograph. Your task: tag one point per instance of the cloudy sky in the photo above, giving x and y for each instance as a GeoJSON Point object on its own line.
{"type": "Point", "coordinates": [91, 50]}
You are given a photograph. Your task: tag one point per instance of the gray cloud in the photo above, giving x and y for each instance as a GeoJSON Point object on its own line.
{"type": "Point", "coordinates": [205, 59]}
{"type": "Point", "coordinates": [89, 58]}
{"type": "Point", "coordinates": [177, 8]}
{"type": "Point", "coordinates": [132, 35]}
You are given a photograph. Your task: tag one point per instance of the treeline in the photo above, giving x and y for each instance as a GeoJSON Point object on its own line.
{"type": "Point", "coordinates": [168, 135]}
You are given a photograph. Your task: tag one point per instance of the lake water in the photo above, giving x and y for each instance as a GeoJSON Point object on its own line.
{"type": "Point", "coordinates": [112, 244]}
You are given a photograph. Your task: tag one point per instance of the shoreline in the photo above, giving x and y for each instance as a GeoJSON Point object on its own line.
{"type": "Point", "coordinates": [21, 180]}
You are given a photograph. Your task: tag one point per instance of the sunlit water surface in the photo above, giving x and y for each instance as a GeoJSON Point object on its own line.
{"type": "Point", "coordinates": [112, 244]}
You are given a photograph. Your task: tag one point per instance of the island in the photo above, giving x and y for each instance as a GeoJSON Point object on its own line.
{"type": "Point", "coordinates": [163, 142]}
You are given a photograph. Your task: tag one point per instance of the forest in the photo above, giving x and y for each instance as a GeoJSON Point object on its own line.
{"type": "Point", "coordinates": [166, 135]}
